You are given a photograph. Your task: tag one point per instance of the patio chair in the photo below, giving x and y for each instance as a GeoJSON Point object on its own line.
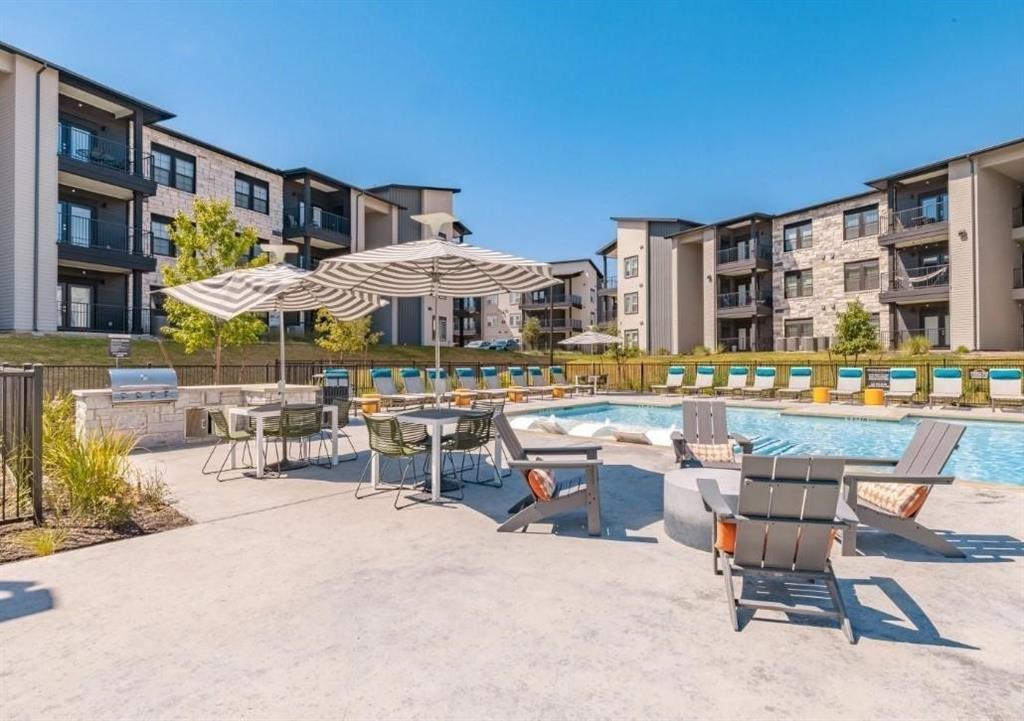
{"type": "Point", "coordinates": [535, 378]}
{"type": "Point", "coordinates": [344, 410]}
{"type": "Point", "coordinates": [547, 497]}
{"type": "Point", "coordinates": [519, 382]}
{"type": "Point", "coordinates": [438, 378]}
{"type": "Point", "coordinates": [781, 527]}
{"type": "Point", "coordinates": [705, 439]}
{"type": "Point", "coordinates": [1004, 387]}
{"type": "Point", "coordinates": [849, 384]}
{"type": "Point", "coordinates": [391, 441]}
{"type": "Point", "coordinates": [799, 383]}
{"type": "Point", "coordinates": [902, 385]}
{"type": "Point", "coordinates": [673, 381]}
{"type": "Point", "coordinates": [559, 382]}
{"type": "Point", "coordinates": [764, 384]}
{"type": "Point", "coordinates": [947, 386]}
{"type": "Point", "coordinates": [225, 434]}
{"type": "Point", "coordinates": [704, 380]}
{"type": "Point", "coordinates": [384, 384]}
{"type": "Point", "coordinates": [492, 384]}
{"type": "Point", "coordinates": [734, 383]}
{"type": "Point", "coordinates": [303, 424]}
{"type": "Point", "coordinates": [471, 436]}
{"type": "Point", "coordinates": [495, 406]}
{"type": "Point", "coordinates": [892, 501]}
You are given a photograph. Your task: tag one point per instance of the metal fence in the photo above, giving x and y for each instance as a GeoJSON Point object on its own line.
{"type": "Point", "coordinates": [636, 376]}
{"type": "Point", "coordinates": [21, 443]}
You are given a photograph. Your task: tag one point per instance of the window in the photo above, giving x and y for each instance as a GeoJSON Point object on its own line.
{"type": "Point", "coordinates": [156, 300]}
{"type": "Point", "coordinates": [514, 320]}
{"type": "Point", "coordinates": [797, 235]}
{"type": "Point", "coordinates": [799, 328]}
{"type": "Point", "coordinates": [515, 298]}
{"type": "Point", "coordinates": [251, 194]}
{"type": "Point", "coordinates": [491, 321]}
{"type": "Point", "coordinates": [860, 222]}
{"type": "Point", "coordinates": [799, 283]}
{"type": "Point", "coordinates": [631, 266]}
{"type": "Point", "coordinates": [875, 321]}
{"type": "Point", "coordinates": [442, 322]}
{"type": "Point", "coordinates": [174, 169]}
{"type": "Point", "coordinates": [631, 338]}
{"type": "Point", "coordinates": [862, 275]}
{"type": "Point", "coordinates": [492, 300]}
{"type": "Point", "coordinates": [160, 230]}
{"type": "Point", "coordinates": [631, 303]}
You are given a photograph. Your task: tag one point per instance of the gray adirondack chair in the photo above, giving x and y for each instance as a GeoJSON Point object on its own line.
{"type": "Point", "coordinates": [929, 450]}
{"type": "Point", "coordinates": [785, 517]}
{"type": "Point", "coordinates": [569, 495]}
{"type": "Point", "coordinates": [704, 424]}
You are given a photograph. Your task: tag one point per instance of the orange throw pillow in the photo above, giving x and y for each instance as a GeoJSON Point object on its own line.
{"type": "Point", "coordinates": [542, 483]}
{"type": "Point", "coordinates": [900, 499]}
{"type": "Point", "coordinates": [725, 536]}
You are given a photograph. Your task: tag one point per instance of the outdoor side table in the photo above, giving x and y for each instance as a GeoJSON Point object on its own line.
{"type": "Point", "coordinates": [517, 396]}
{"type": "Point", "coordinates": [463, 399]}
{"type": "Point", "coordinates": [819, 394]}
{"type": "Point", "coordinates": [874, 397]}
{"type": "Point", "coordinates": [557, 392]}
{"type": "Point", "coordinates": [436, 420]}
{"type": "Point", "coordinates": [367, 404]}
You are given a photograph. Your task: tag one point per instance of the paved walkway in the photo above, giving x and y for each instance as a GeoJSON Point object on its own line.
{"type": "Point", "coordinates": [291, 599]}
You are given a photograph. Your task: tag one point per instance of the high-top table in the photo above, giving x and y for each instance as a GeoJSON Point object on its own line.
{"type": "Point", "coordinates": [436, 420]}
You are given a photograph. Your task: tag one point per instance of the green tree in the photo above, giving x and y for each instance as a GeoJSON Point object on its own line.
{"type": "Point", "coordinates": [855, 334]}
{"type": "Point", "coordinates": [209, 243]}
{"type": "Point", "coordinates": [530, 332]}
{"type": "Point", "coordinates": [344, 336]}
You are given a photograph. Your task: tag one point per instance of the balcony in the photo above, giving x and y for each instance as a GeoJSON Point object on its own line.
{"type": "Point", "coordinates": [922, 284]}
{"type": "Point", "coordinates": [86, 155]}
{"type": "Point", "coordinates": [744, 258]}
{"type": "Point", "coordinates": [925, 223]}
{"type": "Point", "coordinates": [102, 243]}
{"type": "Point", "coordinates": [466, 307]}
{"type": "Point", "coordinates": [938, 337]}
{"type": "Point", "coordinates": [1018, 284]}
{"type": "Point", "coordinates": [540, 299]}
{"type": "Point", "coordinates": [1017, 224]}
{"type": "Point", "coordinates": [98, 318]}
{"type": "Point", "coordinates": [322, 225]}
{"type": "Point", "coordinates": [608, 286]}
{"type": "Point", "coordinates": [561, 324]}
{"type": "Point", "coordinates": [743, 305]}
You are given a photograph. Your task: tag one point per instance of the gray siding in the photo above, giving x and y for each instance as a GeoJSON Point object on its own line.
{"type": "Point", "coordinates": [411, 200]}
{"type": "Point", "coordinates": [659, 293]}
{"type": "Point", "coordinates": [381, 322]}
{"type": "Point", "coordinates": [410, 321]}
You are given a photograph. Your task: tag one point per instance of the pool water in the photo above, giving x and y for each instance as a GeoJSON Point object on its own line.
{"type": "Point", "coordinates": [988, 451]}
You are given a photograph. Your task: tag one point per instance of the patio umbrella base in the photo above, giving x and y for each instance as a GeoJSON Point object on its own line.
{"type": "Point", "coordinates": [286, 465]}
{"type": "Point", "coordinates": [448, 485]}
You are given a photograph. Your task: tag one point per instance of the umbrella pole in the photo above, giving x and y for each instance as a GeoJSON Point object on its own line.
{"type": "Point", "coordinates": [280, 373]}
{"type": "Point", "coordinates": [437, 346]}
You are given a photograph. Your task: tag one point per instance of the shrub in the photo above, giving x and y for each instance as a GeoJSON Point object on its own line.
{"type": "Point", "coordinates": [700, 350]}
{"type": "Point", "coordinates": [86, 477]}
{"type": "Point", "coordinates": [916, 345]}
{"type": "Point", "coordinates": [961, 349]}
{"type": "Point", "coordinates": [720, 349]}
{"type": "Point", "coordinates": [42, 541]}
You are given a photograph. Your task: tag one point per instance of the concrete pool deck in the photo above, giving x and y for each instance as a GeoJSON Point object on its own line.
{"type": "Point", "coordinates": [289, 598]}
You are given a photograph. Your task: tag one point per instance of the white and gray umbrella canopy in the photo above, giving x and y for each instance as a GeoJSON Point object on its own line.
{"type": "Point", "coordinates": [434, 267]}
{"type": "Point", "coordinates": [268, 288]}
{"type": "Point", "coordinates": [590, 338]}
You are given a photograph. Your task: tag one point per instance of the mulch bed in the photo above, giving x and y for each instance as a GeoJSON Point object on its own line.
{"type": "Point", "coordinates": [144, 521]}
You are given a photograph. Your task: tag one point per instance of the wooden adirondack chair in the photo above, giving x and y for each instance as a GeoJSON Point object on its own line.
{"type": "Point", "coordinates": [705, 439]}
{"type": "Point", "coordinates": [891, 501]}
{"type": "Point", "coordinates": [781, 527]}
{"type": "Point", "coordinates": [566, 495]}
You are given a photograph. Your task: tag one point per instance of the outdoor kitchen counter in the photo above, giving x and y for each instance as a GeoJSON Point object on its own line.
{"type": "Point", "coordinates": [167, 423]}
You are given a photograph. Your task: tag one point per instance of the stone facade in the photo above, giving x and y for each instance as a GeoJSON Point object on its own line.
{"type": "Point", "coordinates": [826, 259]}
{"type": "Point", "coordinates": [164, 424]}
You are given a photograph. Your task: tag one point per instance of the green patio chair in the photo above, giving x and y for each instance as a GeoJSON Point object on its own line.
{"type": "Point", "coordinates": [393, 442]}
{"type": "Point", "coordinates": [225, 434]}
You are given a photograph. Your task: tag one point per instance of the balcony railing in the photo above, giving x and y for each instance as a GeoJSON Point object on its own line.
{"type": "Point", "coordinates": [1018, 217]}
{"type": "Point", "coordinates": [1018, 278]}
{"type": "Point", "coordinates": [99, 317]}
{"type": "Point", "coordinates": [608, 283]}
{"type": "Point", "coordinates": [938, 337]}
{"type": "Point", "coordinates": [737, 345]}
{"type": "Point", "coordinates": [925, 276]}
{"type": "Point", "coordinates": [936, 211]}
{"type": "Point", "coordinates": [560, 323]}
{"type": "Point", "coordinates": [294, 217]}
{"type": "Point", "coordinates": [544, 297]}
{"type": "Point", "coordinates": [86, 147]}
{"type": "Point", "coordinates": [742, 300]}
{"type": "Point", "coordinates": [748, 251]}
{"type": "Point", "coordinates": [467, 305]}
{"type": "Point", "coordinates": [80, 232]}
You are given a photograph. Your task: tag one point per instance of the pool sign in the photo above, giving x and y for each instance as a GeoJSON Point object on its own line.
{"type": "Point", "coordinates": [119, 346]}
{"type": "Point", "coordinates": [877, 378]}
{"type": "Point", "coordinates": [978, 374]}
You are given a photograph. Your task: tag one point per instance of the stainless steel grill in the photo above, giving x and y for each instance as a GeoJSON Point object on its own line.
{"type": "Point", "coordinates": [143, 385]}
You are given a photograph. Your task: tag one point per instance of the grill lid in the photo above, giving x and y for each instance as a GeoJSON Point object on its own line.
{"type": "Point", "coordinates": [143, 384]}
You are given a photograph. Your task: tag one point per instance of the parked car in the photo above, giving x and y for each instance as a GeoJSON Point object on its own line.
{"type": "Point", "coordinates": [479, 344]}
{"type": "Point", "coordinates": [505, 344]}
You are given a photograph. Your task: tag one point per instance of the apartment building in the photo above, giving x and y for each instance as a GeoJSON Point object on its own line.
{"type": "Point", "coordinates": [117, 177]}
{"type": "Point", "coordinates": [562, 310]}
{"type": "Point", "coordinates": [934, 251]}
{"type": "Point", "coordinates": [608, 288]}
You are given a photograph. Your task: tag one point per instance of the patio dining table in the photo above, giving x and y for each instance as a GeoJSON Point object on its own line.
{"type": "Point", "coordinates": [270, 410]}
{"type": "Point", "coordinates": [436, 420]}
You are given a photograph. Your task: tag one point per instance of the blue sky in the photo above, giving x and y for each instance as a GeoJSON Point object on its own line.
{"type": "Point", "coordinates": [554, 116]}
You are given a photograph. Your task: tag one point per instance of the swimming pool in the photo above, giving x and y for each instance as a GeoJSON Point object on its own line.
{"type": "Point", "coordinates": [988, 451]}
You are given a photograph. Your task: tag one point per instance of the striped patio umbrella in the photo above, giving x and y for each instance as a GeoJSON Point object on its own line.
{"type": "Point", "coordinates": [277, 287]}
{"type": "Point", "coordinates": [434, 267]}
{"type": "Point", "coordinates": [590, 338]}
